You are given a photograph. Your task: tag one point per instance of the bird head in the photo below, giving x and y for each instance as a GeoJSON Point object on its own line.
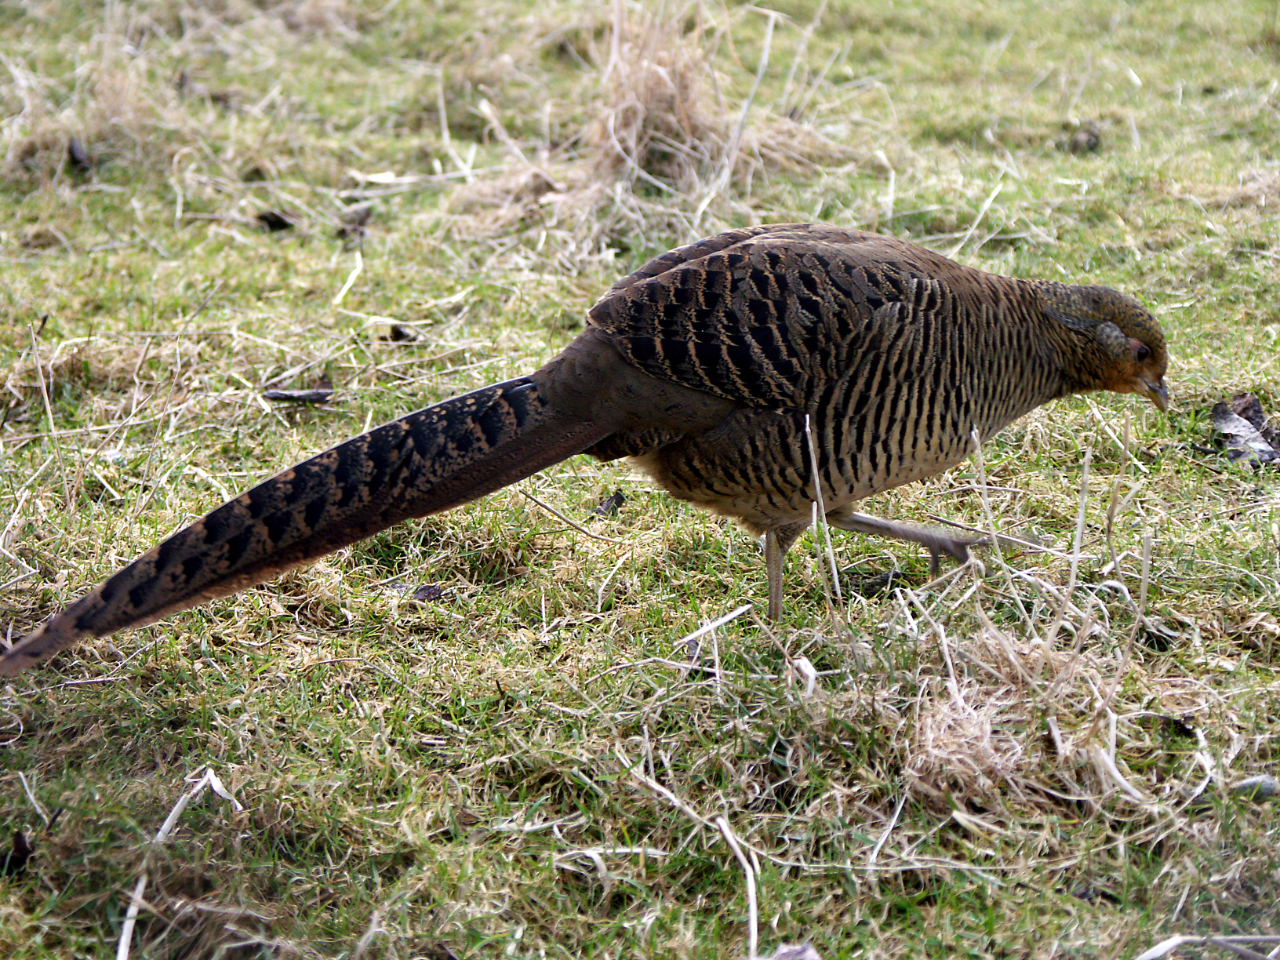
{"type": "Point", "coordinates": [1119, 344]}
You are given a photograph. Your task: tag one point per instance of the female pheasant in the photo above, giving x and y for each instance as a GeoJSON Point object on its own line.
{"type": "Point", "coordinates": [726, 369]}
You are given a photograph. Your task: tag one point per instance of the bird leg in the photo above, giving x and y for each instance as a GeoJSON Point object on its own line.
{"type": "Point", "coordinates": [776, 544]}
{"type": "Point", "coordinates": [936, 543]}
{"type": "Point", "coordinates": [779, 540]}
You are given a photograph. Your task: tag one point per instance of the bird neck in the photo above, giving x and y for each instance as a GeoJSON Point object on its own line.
{"type": "Point", "coordinates": [1071, 334]}
{"type": "Point", "coordinates": [1023, 358]}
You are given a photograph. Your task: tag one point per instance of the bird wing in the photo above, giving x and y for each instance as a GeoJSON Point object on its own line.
{"type": "Point", "coordinates": [765, 317]}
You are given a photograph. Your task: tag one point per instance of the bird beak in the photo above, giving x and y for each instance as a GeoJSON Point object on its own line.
{"type": "Point", "coordinates": [1156, 392]}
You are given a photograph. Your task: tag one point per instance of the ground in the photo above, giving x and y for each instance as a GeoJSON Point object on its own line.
{"type": "Point", "coordinates": [486, 733]}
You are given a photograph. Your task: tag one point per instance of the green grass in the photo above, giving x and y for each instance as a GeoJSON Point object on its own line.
{"type": "Point", "coordinates": [523, 766]}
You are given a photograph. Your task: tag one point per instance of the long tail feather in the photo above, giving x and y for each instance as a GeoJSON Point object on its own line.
{"type": "Point", "coordinates": [421, 464]}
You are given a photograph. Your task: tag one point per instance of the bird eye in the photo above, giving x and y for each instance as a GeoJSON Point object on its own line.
{"type": "Point", "coordinates": [1141, 352]}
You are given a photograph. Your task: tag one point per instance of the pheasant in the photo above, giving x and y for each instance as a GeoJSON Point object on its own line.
{"type": "Point", "coordinates": [745, 373]}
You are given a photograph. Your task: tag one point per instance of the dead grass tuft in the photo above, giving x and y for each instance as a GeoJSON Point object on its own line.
{"type": "Point", "coordinates": [107, 106]}
{"type": "Point", "coordinates": [334, 19]}
{"type": "Point", "coordinates": [957, 753]}
{"type": "Point", "coordinates": [662, 123]}
{"type": "Point", "coordinates": [1257, 188]}
{"type": "Point", "coordinates": [670, 145]}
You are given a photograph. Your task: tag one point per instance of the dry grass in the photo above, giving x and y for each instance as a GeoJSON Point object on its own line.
{"type": "Point", "coordinates": [490, 733]}
{"type": "Point", "coordinates": [665, 150]}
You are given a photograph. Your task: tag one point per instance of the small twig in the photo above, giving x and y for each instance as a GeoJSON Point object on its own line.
{"type": "Point", "coordinates": [48, 409]}
{"type": "Point", "coordinates": [464, 168]}
{"type": "Point", "coordinates": [350, 282]}
{"type": "Point", "coordinates": [753, 912]}
{"type": "Point", "coordinates": [884, 837]}
{"type": "Point", "coordinates": [1105, 763]}
{"type": "Point", "coordinates": [375, 927]}
{"type": "Point", "coordinates": [615, 39]}
{"type": "Point", "coordinates": [953, 682]}
{"type": "Point", "coordinates": [989, 515]}
{"type": "Point", "coordinates": [986, 205]}
{"type": "Point", "coordinates": [1074, 565]}
{"type": "Point", "coordinates": [711, 628]}
{"type": "Point", "coordinates": [820, 512]}
{"type": "Point", "coordinates": [14, 519]}
{"type": "Point", "coordinates": [635, 770]}
{"type": "Point", "coordinates": [735, 138]}
{"type": "Point", "coordinates": [26, 788]}
{"type": "Point", "coordinates": [631, 163]}
{"type": "Point", "coordinates": [1114, 502]}
{"type": "Point", "coordinates": [186, 321]}
{"type": "Point", "coordinates": [210, 780]}
{"type": "Point", "coordinates": [798, 56]}
{"type": "Point", "coordinates": [684, 666]}
{"type": "Point", "coordinates": [1145, 582]}
{"type": "Point", "coordinates": [604, 584]}
{"type": "Point", "coordinates": [582, 530]}
{"type": "Point", "coordinates": [1233, 944]}
{"type": "Point", "coordinates": [715, 660]}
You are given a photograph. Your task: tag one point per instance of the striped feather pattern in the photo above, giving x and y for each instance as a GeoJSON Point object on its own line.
{"type": "Point", "coordinates": [704, 366]}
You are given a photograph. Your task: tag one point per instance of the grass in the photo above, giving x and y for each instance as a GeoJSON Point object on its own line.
{"type": "Point", "coordinates": [1034, 758]}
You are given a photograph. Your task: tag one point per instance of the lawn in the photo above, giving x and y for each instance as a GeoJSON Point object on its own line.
{"type": "Point", "coordinates": [489, 733]}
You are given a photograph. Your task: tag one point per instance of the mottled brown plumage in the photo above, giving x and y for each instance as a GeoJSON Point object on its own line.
{"type": "Point", "coordinates": [704, 366]}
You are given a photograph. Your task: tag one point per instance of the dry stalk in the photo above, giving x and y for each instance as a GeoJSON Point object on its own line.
{"type": "Point", "coordinates": [820, 522]}
{"type": "Point", "coordinates": [210, 781]}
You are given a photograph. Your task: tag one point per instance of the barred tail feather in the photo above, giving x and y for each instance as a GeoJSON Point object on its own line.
{"type": "Point", "coordinates": [428, 461]}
